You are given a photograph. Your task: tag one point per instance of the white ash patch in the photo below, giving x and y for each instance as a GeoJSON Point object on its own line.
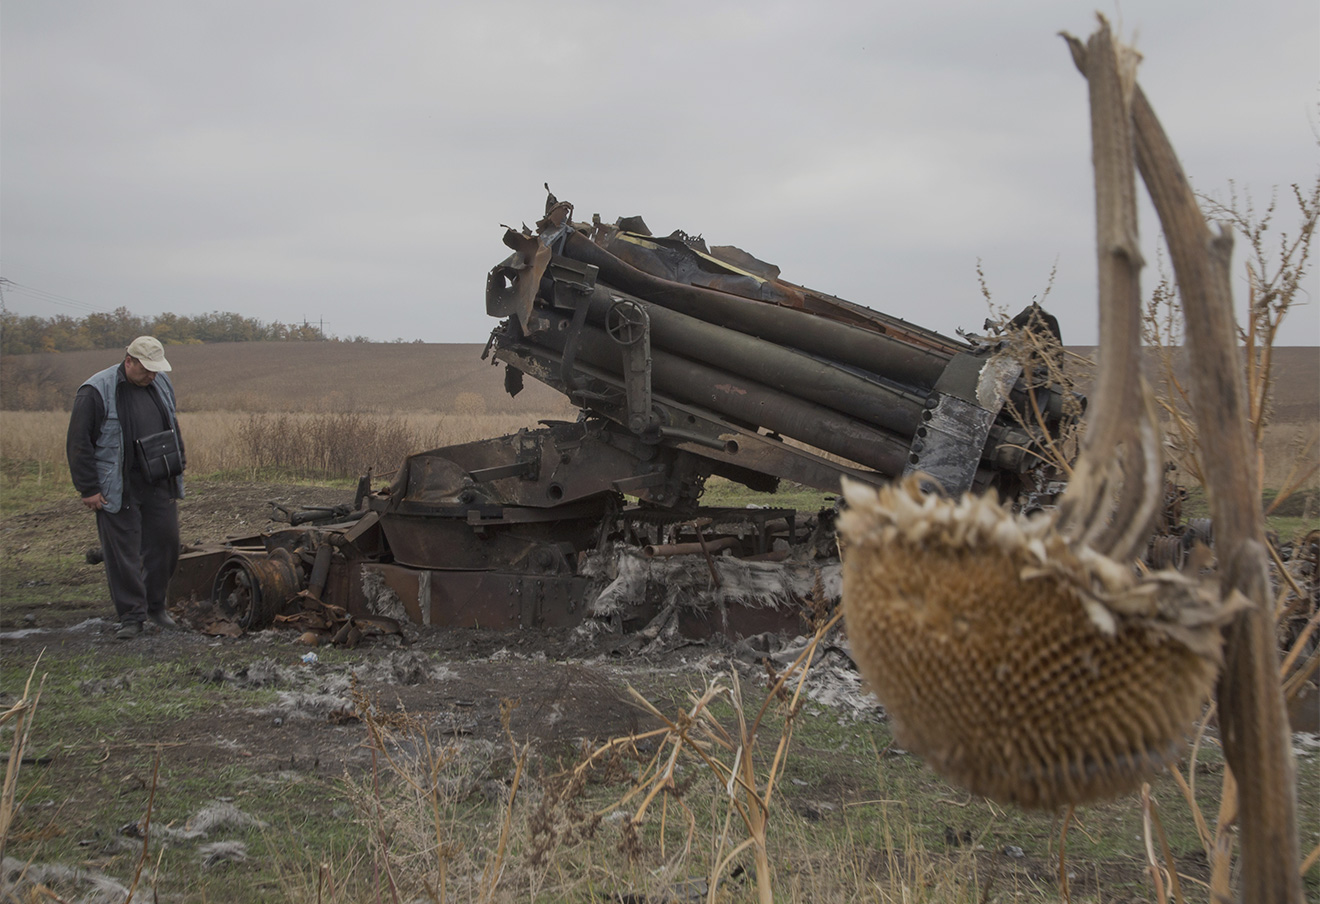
{"type": "Point", "coordinates": [99, 686]}
{"type": "Point", "coordinates": [1305, 744]}
{"type": "Point", "coordinates": [585, 635]}
{"type": "Point", "coordinates": [832, 681]}
{"type": "Point", "coordinates": [628, 575]}
{"type": "Point", "coordinates": [303, 705]}
{"type": "Point", "coordinates": [22, 633]}
{"type": "Point", "coordinates": [267, 673]}
{"type": "Point", "coordinates": [22, 881]}
{"type": "Point", "coordinates": [328, 691]}
{"type": "Point", "coordinates": [258, 674]}
{"type": "Point", "coordinates": [504, 654]}
{"type": "Point", "coordinates": [405, 667]}
{"type": "Point", "coordinates": [215, 815]}
{"type": "Point", "coordinates": [338, 683]}
{"type": "Point", "coordinates": [840, 687]}
{"type": "Point", "coordinates": [381, 600]}
{"type": "Point", "coordinates": [217, 852]}
{"type": "Point", "coordinates": [87, 624]}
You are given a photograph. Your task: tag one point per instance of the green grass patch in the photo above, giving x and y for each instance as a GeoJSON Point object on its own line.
{"type": "Point", "coordinates": [101, 697]}
{"type": "Point", "coordinates": [106, 746]}
{"type": "Point", "coordinates": [1292, 519]}
{"type": "Point", "coordinates": [39, 575]}
{"type": "Point", "coordinates": [28, 485]}
{"type": "Point", "coordinates": [290, 476]}
{"type": "Point", "coordinates": [34, 591]}
{"type": "Point", "coordinates": [721, 492]}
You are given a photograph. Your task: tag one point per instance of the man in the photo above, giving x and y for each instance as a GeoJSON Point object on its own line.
{"type": "Point", "coordinates": [130, 484]}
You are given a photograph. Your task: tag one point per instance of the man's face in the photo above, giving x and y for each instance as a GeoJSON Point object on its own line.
{"type": "Point", "coordinates": [136, 373]}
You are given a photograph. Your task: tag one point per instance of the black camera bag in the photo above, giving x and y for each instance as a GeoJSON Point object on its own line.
{"type": "Point", "coordinates": [159, 455]}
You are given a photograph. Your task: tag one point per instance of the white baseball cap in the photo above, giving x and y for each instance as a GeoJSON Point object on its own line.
{"type": "Point", "coordinates": [150, 353]}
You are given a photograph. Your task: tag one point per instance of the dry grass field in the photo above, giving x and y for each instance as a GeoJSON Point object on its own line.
{"type": "Point", "coordinates": [262, 405]}
{"type": "Point", "coordinates": [291, 444]}
{"type": "Point", "coordinates": [299, 376]}
{"type": "Point", "coordinates": [296, 409]}
{"type": "Point", "coordinates": [321, 376]}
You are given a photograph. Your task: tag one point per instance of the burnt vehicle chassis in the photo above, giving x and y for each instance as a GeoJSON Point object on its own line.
{"type": "Point", "coordinates": [685, 363]}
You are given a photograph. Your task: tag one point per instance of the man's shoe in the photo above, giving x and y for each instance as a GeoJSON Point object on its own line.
{"type": "Point", "coordinates": [128, 630]}
{"type": "Point", "coordinates": [163, 619]}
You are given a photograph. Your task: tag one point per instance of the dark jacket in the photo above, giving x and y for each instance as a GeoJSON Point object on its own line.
{"type": "Point", "coordinates": [100, 442]}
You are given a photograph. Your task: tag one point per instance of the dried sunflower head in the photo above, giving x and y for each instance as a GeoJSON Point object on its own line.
{"type": "Point", "coordinates": [1019, 664]}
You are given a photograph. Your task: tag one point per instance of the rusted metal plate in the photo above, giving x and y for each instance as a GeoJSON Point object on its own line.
{"type": "Point", "coordinates": [196, 574]}
{"type": "Point", "coordinates": [499, 601]}
{"type": "Point", "coordinates": [511, 287]}
{"type": "Point", "coordinates": [437, 542]}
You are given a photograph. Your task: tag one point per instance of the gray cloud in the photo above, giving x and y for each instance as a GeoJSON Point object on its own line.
{"type": "Point", "coordinates": [354, 162]}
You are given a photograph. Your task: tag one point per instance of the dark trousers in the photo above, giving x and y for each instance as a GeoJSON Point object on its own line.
{"type": "Point", "coordinates": [141, 546]}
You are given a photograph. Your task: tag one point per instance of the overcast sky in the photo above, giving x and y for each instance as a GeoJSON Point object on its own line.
{"type": "Point", "coordinates": [353, 162]}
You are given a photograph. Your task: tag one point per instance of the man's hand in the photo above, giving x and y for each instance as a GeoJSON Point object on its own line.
{"type": "Point", "coordinates": [94, 502]}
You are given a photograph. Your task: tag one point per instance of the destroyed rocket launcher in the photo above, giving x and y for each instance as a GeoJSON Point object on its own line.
{"type": "Point", "coordinates": [709, 352]}
{"type": "Point", "coordinates": [685, 363]}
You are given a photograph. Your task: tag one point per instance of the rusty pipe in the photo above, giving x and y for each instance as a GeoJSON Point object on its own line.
{"type": "Point", "coordinates": [665, 550]}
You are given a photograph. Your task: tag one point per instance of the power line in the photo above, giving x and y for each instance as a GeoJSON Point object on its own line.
{"type": "Point", "coordinates": [42, 295]}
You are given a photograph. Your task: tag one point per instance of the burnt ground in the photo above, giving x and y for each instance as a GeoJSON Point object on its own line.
{"type": "Point", "coordinates": [548, 689]}
{"type": "Point", "coordinates": [62, 609]}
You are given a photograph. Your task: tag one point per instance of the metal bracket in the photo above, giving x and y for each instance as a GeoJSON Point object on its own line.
{"type": "Point", "coordinates": [629, 325]}
{"type": "Point", "coordinates": [948, 443]}
{"type": "Point", "coordinates": [958, 419]}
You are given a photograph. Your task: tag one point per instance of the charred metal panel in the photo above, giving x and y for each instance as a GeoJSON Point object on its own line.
{"type": "Point", "coordinates": [959, 418]}
{"type": "Point", "coordinates": [511, 286]}
{"type": "Point", "coordinates": [195, 574]}
{"type": "Point", "coordinates": [488, 537]}
{"type": "Point", "coordinates": [558, 465]}
{"type": "Point", "coordinates": [499, 601]}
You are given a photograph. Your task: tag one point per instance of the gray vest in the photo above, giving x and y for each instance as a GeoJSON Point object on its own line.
{"type": "Point", "coordinates": [109, 451]}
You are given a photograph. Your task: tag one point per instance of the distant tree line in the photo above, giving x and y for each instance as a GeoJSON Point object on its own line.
{"type": "Point", "coordinates": [21, 335]}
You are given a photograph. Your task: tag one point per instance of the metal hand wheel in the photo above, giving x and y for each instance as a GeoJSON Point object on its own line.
{"type": "Point", "coordinates": [627, 322]}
